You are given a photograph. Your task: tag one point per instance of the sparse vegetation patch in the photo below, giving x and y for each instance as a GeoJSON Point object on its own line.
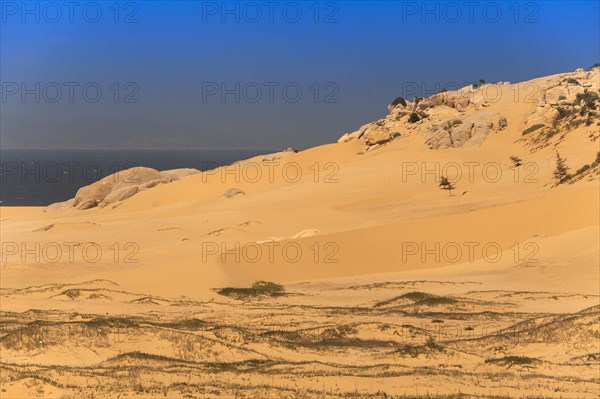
{"type": "Point", "coordinates": [510, 361]}
{"type": "Point", "coordinates": [532, 129]}
{"type": "Point", "coordinates": [258, 289]}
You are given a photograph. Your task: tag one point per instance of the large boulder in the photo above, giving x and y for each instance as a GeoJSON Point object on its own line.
{"type": "Point", "coordinates": [124, 184]}
{"type": "Point", "coordinates": [377, 135]}
{"type": "Point", "coordinates": [176, 174]}
{"type": "Point", "coordinates": [566, 91]}
{"type": "Point", "coordinates": [502, 123]}
{"type": "Point", "coordinates": [554, 94]}
{"type": "Point", "coordinates": [461, 134]}
{"type": "Point", "coordinates": [232, 192]}
{"type": "Point", "coordinates": [542, 116]}
{"type": "Point", "coordinates": [458, 99]}
{"type": "Point", "coordinates": [468, 131]}
{"type": "Point", "coordinates": [95, 194]}
{"type": "Point", "coordinates": [479, 133]}
{"type": "Point", "coordinates": [354, 135]}
{"type": "Point", "coordinates": [120, 194]}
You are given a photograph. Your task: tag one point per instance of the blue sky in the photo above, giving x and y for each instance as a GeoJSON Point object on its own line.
{"type": "Point", "coordinates": [162, 67]}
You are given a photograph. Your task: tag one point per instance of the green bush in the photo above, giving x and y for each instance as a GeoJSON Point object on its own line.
{"type": "Point", "coordinates": [589, 98]}
{"type": "Point", "coordinates": [267, 287]}
{"type": "Point", "coordinates": [453, 123]}
{"type": "Point", "coordinates": [532, 128]}
{"type": "Point", "coordinates": [582, 169]}
{"type": "Point", "coordinates": [259, 288]}
{"type": "Point", "coordinates": [399, 100]}
{"type": "Point", "coordinates": [413, 118]}
{"type": "Point", "coordinates": [563, 112]}
{"type": "Point", "coordinates": [516, 161]}
{"type": "Point", "coordinates": [512, 360]}
{"type": "Point", "coordinates": [419, 298]}
{"type": "Point", "coordinates": [430, 346]}
{"type": "Point", "coordinates": [423, 298]}
{"type": "Point", "coordinates": [551, 133]}
{"type": "Point", "coordinates": [416, 296]}
{"type": "Point", "coordinates": [561, 172]}
{"type": "Point", "coordinates": [438, 300]}
{"type": "Point", "coordinates": [572, 81]}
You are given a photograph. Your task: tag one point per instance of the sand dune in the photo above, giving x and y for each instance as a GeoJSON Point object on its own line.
{"type": "Point", "coordinates": [391, 284]}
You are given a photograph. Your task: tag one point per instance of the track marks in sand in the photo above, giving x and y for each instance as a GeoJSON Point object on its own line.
{"type": "Point", "coordinates": [58, 226]}
{"type": "Point", "coordinates": [240, 228]}
{"type": "Point", "coordinates": [262, 345]}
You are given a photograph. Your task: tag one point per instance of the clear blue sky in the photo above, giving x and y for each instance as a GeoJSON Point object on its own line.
{"type": "Point", "coordinates": [348, 59]}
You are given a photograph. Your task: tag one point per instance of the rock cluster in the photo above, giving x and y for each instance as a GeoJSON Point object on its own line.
{"type": "Point", "coordinates": [469, 131]}
{"type": "Point", "coordinates": [560, 91]}
{"type": "Point", "coordinates": [458, 100]}
{"type": "Point", "coordinates": [458, 118]}
{"type": "Point", "coordinates": [418, 115]}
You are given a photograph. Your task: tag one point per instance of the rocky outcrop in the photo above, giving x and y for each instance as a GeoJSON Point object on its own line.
{"type": "Point", "coordinates": [354, 135]}
{"type": "Point", "coordinates": [468, 131]}
{"type": "Point", "coordinates": [121, 194]}
{"type": "Point", "coordinates": [377, 134]}
{"type": "Point", "coordinates": [464, 117]}
{"type": "Point", "coordinates": [544, 115]}
{"type": "Point", "coordinates": [459, 99]}
{"type": "Point", "coordinates": [559, 94]}
{"type": "Point", "coordinates": [176, 174]}
{"type": "Point", "coordinates": [405, 116]}
{"type": "Point", "coordinates": [121, 186]}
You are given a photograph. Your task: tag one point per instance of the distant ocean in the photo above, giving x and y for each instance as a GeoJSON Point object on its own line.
{"type": "Point", "coordinates": [38, 177]}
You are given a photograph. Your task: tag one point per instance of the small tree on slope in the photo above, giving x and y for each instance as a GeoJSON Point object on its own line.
{"type": "Point", "coordinates": [561, 172]}
{"type": "Point", "coordinates": [446, 184]}
{"type": "Point", "coordinates": [516, 161]}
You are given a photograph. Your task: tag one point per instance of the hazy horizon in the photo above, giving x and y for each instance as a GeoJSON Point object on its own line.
{"type": "Point", "coordinates": [304, 74]}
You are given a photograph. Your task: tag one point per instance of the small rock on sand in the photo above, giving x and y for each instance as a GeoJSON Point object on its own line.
{"type": "Point", "coordinates": [307, 233]}
{"type": "Point", "coordinates": [232, 192]}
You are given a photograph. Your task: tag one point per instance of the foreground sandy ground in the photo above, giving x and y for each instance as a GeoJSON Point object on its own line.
{"type": "Point", "coordinates": [393, 287]}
